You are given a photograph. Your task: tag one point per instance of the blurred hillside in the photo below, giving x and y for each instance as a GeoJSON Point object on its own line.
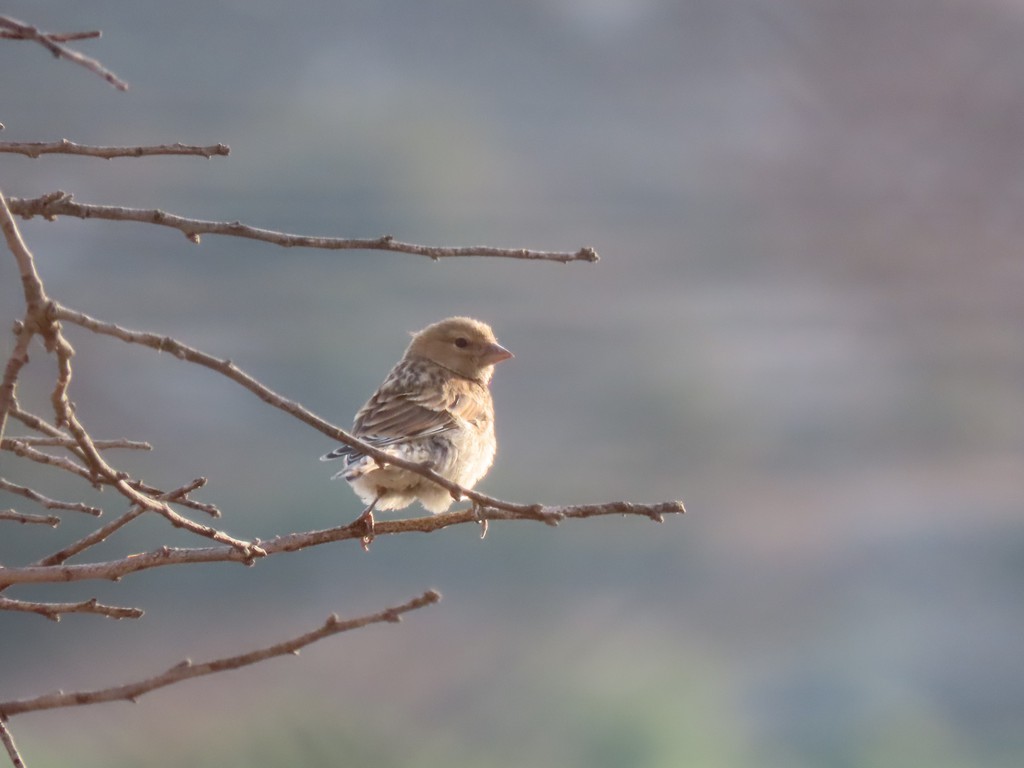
{"type": "Point", "coordinates": [807, 323]}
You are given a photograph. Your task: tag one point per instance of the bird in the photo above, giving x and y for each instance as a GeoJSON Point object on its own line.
{"type": "Point", "coordinates": [433, 408]}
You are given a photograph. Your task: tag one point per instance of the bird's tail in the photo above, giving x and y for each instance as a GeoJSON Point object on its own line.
{"type": "Point", "coordinates": [356, 463]}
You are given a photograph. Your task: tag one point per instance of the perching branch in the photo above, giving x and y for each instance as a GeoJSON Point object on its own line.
{"type": "Point", "coordinates": [65, 147]}
{"type": "Point", "coordinates": [187, 669]}
{"type": "Point", "coordinates": [61, 204]}
{"type": "Point", "coordinates": [114, 570]}
{"type": "Point", "coordinates": [16, 30]}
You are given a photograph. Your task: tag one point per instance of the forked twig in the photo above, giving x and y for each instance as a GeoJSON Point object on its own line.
{"type": "Point", "coordinates": [17, 30]}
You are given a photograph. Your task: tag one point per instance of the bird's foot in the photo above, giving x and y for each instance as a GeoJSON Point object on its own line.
{"type": "Point", "coordinates": [478, 513]}
{"type": "Point", "coordinates": [366, 520]}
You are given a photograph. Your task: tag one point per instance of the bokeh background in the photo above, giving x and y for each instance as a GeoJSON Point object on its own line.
{"type": "Point", "coordinates": [808, 324]}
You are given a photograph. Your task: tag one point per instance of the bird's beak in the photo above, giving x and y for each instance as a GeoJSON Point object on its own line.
{"type": "Point", "coordinates": [495, 353]}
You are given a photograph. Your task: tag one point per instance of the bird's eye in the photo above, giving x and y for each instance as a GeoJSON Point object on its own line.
{"type": "Point", "coordinates": [462, 342]}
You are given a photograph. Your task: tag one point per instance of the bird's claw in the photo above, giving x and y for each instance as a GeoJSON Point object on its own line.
{"type": "Point", "coordinates": [478, 514]}
{"type": "Point", "coordinates": [366, 520]}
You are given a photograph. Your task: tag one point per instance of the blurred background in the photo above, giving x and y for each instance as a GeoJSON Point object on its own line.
{"type": "Point", "coordinates": [807, 323]}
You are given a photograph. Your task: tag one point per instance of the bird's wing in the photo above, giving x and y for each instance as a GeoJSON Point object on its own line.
{"type": "Point", "coordinates": [416, 402]}
{"type": "Point", "coordinates": [399, 413]}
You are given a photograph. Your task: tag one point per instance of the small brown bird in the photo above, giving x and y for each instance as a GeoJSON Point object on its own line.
{"type": "Point", "coordinates": [435, 406]}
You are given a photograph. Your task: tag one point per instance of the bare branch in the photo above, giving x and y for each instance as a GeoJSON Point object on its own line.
{"type": "Point", "coordinates": [26, 452]}
{"type": "Point", "coordinates": [67, 442]}
{"type": "Point", "coordinates": [181, 500]}
{"type": "Point", "coordinates": [52, 43]}
{"type": "Point", "coordinates": [24, 447]}
{"type": "Point", "coordinates": [292, 542]}
{"type": "Point", "coordinates": [17, 361]}
{"type": "Point", "coordinates": [186, 669]}
{"type": "Point", "coordinates": [35, 301]}
{"type": "Point", "coordinates": [19, 517]}
{"type": "Point", "coordinates": [98, 468]}
{"type": "Point", "coordinates": [53, 611]}
{"type": "Point", "coordinates": [104, 532]}
{"type": "Point", "coordinates": [35, 296]}
{"type": "Point", "coordinates": [57, 37]}
{"type": "Point", "coordinates": [61, 204]}
{"type": "Point", "coordinates": [8, 740]}
{"type": "Point", "coordinates": [46, 502]}
{"type": "Point", "coordinates": [131, 490]}
{"type": "Point", "coordinates": [32, 421]}
{"type": "Point", "coordinates": [249, 550]}
{"type": "Point", "coordinates": [65, 147]}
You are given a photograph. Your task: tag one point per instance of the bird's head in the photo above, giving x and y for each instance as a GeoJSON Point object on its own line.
{"type": "Point", "coordinates": [461, 344]}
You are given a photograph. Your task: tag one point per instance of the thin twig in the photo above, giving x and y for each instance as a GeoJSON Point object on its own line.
{"type": "Point", "coordinates": [292, 542]}
{"type": "Point", "coordinates": [187, 669]}
{"type": "Point", "coordinates": [53, 611]}
{"type": "Point", "coordinates": [8, 740]}
{"type": "Point", "coordinates": [9, 382]}
{"type": "Point", "coordinates": [61, 204]}
{"type": "Point", "coordinates": [105, 531]}
{"type": "Point", "coordinates": [52, 43]}
{"type": "Point", "coordinates": [21, 517]}
{"type": "Point", "coordinates": [45, 501]}
{"type": "Point", "coordinates": [24, 447]}
{"type": "Point", "coordinates": [35, 296]}
{"type": "Point", "coordinates": [130, 489]}
{"type": "Point", "coordinates": [57, 37]}
{"type": "Point", "coordinates": [27, 452]}
{"type": "Point", "coordinates": [182, 501]}
{"type": "Point", "coordinates": [67, 442]}
{"type": "Point", "coordinates": [39, 424]}
{"type": "Point", "coordinates": [66, 147]}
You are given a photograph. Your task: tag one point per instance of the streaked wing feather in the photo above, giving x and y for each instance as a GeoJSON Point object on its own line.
{"type": "Point", "coordinates": [415, 402]}
{"type": "Point", "coordinates": [401, 415]}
